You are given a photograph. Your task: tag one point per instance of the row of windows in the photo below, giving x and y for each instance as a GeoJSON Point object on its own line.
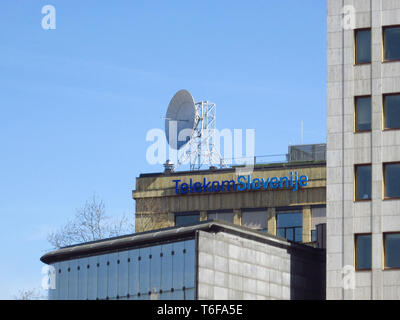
{"type": "Point", "coordinates": [391, 44]}
{"type": "Point", "coordinates": [289, 224]}
{"type": "Point", "coordinates": [363, 181]}
{"type": "Point", "coordinates": [363, 251]}
{"type": "Point", "coordinates": [363, 111]}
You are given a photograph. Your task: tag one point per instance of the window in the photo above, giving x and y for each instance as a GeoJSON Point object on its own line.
{"type": "Point", "coordinates": [391, 180]}
{"type": "Point", "coordinates": [391, 43]}
{"type": "Point", "coordinates": [313, 235]}
{"type": "Point", "coordinates": [391, 247]}
{"type": "Point", "coordinates": [363, 182]}
{"type": "Point", "coordinates": [257, 219]}
{"type": "Point", "coordinates": [224, 216]}
{"type": "Point", "coordinates": [363, 251]}
{"type": "Point", "coordinates": [362, 114]}
{"type": "Point", "coordinates": [182, 220]}
{"type": "Point", "coordinates": [363, 46]}
{"type": "Point", "coordinates": [290, 226]}
{"type": "Point", "coordinates": [391, 111]}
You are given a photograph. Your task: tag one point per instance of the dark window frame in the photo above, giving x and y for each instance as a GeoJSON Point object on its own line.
{"type": "Point", "coordinates": [355, 251]}
{"type": "Point", "coordinates": [355, 182]}
{"type": "Point", "coordinates": [384, 180]}
{"type": "Point", "coordinates": [293, 228]}
{"type": "Point", "coordinates": [356, 47]}
{"type": "Point", "coordinates": [384, 42]}
{"type": "Point", "coordinates": [384, 251]}
{"type": "Point", "coordinates": [384, 110]}
{"type": "Point", "coordinates": [355, 114]}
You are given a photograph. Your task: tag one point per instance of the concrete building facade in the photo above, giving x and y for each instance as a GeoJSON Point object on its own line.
{"type": "Point", "coordinates": [363, 149]}
{"type": "Point", "coordinates": [210, 260]}
{"type": "Point", "coordinates": [160, 204]}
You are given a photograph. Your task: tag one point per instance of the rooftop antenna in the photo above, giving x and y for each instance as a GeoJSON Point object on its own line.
{"type": "Point", "coordinates": [197, 122]}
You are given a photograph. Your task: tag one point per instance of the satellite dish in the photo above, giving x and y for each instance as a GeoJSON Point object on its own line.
{"type": "Point", "coordinates": [182, 111]}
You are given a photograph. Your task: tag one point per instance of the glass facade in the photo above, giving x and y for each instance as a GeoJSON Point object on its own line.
{"type": "Point", "coordinates": [159, 272]}
{"type": "Point", "coordinates": [290, 226]}
{"type": "Point", "coordinates": [391, 43]}
{"type": "Point", "coordinates": [363, 245]}
{"type": "Point", "coordinates": [363, 113]}
{"type": "Point", "coordinates": [363, 182]}
{"type": "Point", "coordinates": [363, 46]}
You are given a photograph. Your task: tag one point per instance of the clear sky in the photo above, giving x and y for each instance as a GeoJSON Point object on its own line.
{"type": "Point", "coordinates": [76, 102]}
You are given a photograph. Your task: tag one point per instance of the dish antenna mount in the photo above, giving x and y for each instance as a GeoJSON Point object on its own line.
{"type": "Point", "coordinates": [190, 131]}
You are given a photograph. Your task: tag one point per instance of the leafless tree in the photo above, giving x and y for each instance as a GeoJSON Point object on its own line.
{"type": "Point", "coordinates": [89, 224]}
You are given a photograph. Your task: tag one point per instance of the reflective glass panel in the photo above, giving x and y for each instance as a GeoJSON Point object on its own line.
{"type": "Point", "coordinates": [223, 216]}
{"type": "Point", "coordinates": [363, 182]}
{"type": "Point", "coordinates": [392, 43]}
{"type": "Point", "coordinates": [392, 250]}
{"type": "Point", "coordinates": [363, 251]}
{"type": "Point", "coordinates": [182, 220]}
{"type": "Point", "coordinates": [392, 111]}
{"type": "Point", "coordinates": [178, 270]}
{"type": "Point", "coordinates": [155, 273]}
{"type": "Point", "coordinates": [73, 280]}
{"type": "Point", "coordinates": [363, 46]}
{"type": "Point", "coordinates": [92, 277]}
{"type": "Point", "coordinates": [190, 260]}
{"type": "Point", "coordinates": [255, 219]}
{"type": "Point", "coordinates": [363, 113]}
{"type": "Point", "coordinates": [144, 271]}
{"type": "Point", "coordinates": [102, 277]}
{"type": "Point", "coordinates": [63, 280]}
{"type": "Point", "coordinates": [82, 279]}
{"type": "Point", "coordinates": [134, 284]}
{"type": "Point", "coordinates": [123, 278]}
{"type": "Point", "coordinates": [112, 271]}
{"type": "Point", "coordinates": [166, 271]}
{"type": "Point", "coordinates": [392, 180]}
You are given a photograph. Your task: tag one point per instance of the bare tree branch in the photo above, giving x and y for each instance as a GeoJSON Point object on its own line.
{"type": "Point", "coordinates": [90, 224]}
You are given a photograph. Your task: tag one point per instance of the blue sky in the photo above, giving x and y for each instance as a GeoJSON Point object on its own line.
{"type": "Point", "coordinates": [76, 102]}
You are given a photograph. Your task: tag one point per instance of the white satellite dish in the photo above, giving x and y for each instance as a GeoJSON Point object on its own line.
{"type": "Point", "coordinates": [197, 121]}
{"type": "Point", "coordinates": [182, 111]}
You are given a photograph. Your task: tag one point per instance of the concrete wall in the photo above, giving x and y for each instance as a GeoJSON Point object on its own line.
{"type": "Point", "coordinates": [346, 148]}
{"type": "Point", "coordinates": [232, 267]}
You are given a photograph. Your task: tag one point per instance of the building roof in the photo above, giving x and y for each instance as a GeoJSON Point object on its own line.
{"type": "Point", "coordinates": [148, 238]}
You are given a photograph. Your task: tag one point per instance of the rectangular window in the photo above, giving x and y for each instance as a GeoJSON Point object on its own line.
{"type": "Point", "coordinates": [223, 216]}
{"type": "Point", "coordinates": [391, 247]}
{"type": "Point", "coordinates": [290, 226]}
{"type": "Point", "coordinates": [257, 219]}
{"type": "Point", "coordinates": [391, 43]}
{"type": "Point", "coordinates": [363, 46]}
{"type": "Point", "coordinates": [391, 180]}
{"type": "Point", "coordinates": [313, 235]}
{"type": "Point", "coordinates": [182, 219]}
{"type": "Point", "coordinates": [362, 114]}
{"type": "Point", "coordinates": [363, 251]}
{"type": "Point", "coordinates": [363, 182]}
{"type": "Point", "coordinates": [391, 111]}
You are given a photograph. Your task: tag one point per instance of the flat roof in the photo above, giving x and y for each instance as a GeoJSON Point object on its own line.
{"type": "Point", "coordinates": [257, 167]}
{"type": "Point", "coordinates": [173, 234]}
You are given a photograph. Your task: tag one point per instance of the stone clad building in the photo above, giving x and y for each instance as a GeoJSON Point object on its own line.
{"type": "Point", "coordinates": [285, 212]}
